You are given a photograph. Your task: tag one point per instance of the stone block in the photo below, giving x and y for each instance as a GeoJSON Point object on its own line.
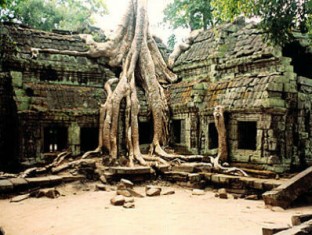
{"type": "Point", "coordinates": [302, 229]}
{"type": "Point", "coordinates": [6, 186]}
{"type": "Point", "coordinates": [17, 78]}
{"type": "Point", "coordinates": [18, 182]}
{"type": "Point", "coordinates": [273, 102]}
{"type": "Point", "coordinates": [275, 230]}
{"type": "Point", "coordinates": [118, 200]}
{"type": "Point", "coordinates": [276, 87]}
{"type": "Point", "coordinates": [183, 168]}
{"type": "Point", "coordinates": [130, 170]}
{"type": "Point", "coordinates": [198, 192]}
{"type": "Point", "coordinates": [290, 87]}
{"type": "Point", "coordinates": [299, 219]}
{"type": "Point", "coordinates": [290, 75]}
{"type": "Point", "coordinates": [287, 192]}
{"type": "Point", "coordinates": [152, 191]}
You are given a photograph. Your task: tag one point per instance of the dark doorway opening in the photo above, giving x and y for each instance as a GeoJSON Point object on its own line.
{"type": "Point", "coordinates": [48, 74]}
{"type": "Point", "coordinates": [88, 138]}
{"type": "Point", "coordinates": [301, 59]}
{"type": "Point", "coordinates": [247, 135]}
{"type": "Point", "coordinates": [176, 129]}
{"type": "Point", "coordinates": [55, 139]}
{"type": "Point", "coordinates": [146, 132]}
{"type": "Point", "coordinates": [212, 136]}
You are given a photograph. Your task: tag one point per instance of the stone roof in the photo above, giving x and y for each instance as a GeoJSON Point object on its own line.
{"type": "Point", "coordinates": [232, 65]}
{"type": "Point", "coordinates": [52, 82]}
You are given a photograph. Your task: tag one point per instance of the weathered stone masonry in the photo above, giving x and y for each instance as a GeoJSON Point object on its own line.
{"type": "Point", "coordinates": [57, 96]}
{"type": "Point", "coordinates": [50, 102]}
{"type": "Point", "coordinates": [265, 89]}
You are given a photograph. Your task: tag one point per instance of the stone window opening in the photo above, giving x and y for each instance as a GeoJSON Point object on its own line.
{"type": "Point", "coordinates": [146, 132]}
{"type": "Point", "coordinates": [301, 59]}
{"type": "Point", "coordinates": [212, 136]}
{"type": "Point", "coordinates": [55, 139]}
{"type": "Point", "coordinates": [247, 135]}
{"type": "Point", "coordinates": [88, 138]}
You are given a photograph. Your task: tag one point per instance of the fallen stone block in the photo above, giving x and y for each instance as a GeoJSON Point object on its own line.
{"type": "Point", "coordinates": [118, 200]}
{"type": "Point", "coordinates": [299, 219]}
{"type": "Point", "coordinates": [152, 191]}
{"type": "Point", "coordinates": [135, 193]}
{"type": "Point", "coordinates": [103, 179]}
{"type": "Point", "coordinates": [302, 229]}
{"type": "Point", "coordinates": [127, 183]}
{"type": "Point", "coordinates": [129, 200]}
{"type": "Point", "coordinates": [271, 231]}
{"type": "Point", "coordinates": [129, 205]}
{"type": "Point", "coordinates": [124, 192]}
{"type": "Point", "coordinates": [222, 193]}
{"type": "Point", "coordinates": [169, 192]}
{"type": "Point", "coordinates": [100, 187]}
{"type": "Point", "coordinates": [252, 197]}
{"type": "Point", "coordinates": [287, 192]}
{"type": "Point", "coordinates": [198, 192]}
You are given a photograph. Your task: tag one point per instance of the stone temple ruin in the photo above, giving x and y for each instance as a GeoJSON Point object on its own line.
{"type": "Point", "coordinates": [49, 101]}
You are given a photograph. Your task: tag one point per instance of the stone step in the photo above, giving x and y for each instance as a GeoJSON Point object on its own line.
{"type": "Point", "coordinates": [287, 192]}
{"type": "Point", "coordinates": [223, 180]}
{"type": "Point", "coordinates": [20, 184]}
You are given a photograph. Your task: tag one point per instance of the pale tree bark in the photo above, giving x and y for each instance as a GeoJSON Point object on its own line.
{"type": "Point", "coordinates": [134, 49]}
{"type": "Point", "coordinates": [218, 115]}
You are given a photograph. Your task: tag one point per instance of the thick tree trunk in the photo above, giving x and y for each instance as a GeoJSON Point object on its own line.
{"type": "Point", "coordinates": [136, 51]}
{"type": "Point", "coordinates": [218, 115]}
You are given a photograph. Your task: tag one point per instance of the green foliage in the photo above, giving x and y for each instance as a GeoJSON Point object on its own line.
{"type": "Point", "coordinates": [227, 10]}
{"type": "Point", "coordinates": [193, 14]}
{"type": "Point", "coordinates": [172, 40]}
{"type": "Point", "coordinates": [50, 14]}
{"type": "Point", "coordinates": [278, 17]}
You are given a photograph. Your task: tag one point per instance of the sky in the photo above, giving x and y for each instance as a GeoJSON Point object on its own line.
{"type": "Point", "coordinates": [155, 12]}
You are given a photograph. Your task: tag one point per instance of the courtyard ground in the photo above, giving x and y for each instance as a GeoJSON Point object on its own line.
{"type": "Point", "coordinates": [82, 210]}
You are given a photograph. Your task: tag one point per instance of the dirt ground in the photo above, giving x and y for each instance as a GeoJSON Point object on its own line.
{"type": "Point", "coordinates": [82, 210]}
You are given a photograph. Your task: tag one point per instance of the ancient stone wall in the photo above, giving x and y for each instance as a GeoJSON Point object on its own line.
{"type": "Point", "coordinates": [264, 88]}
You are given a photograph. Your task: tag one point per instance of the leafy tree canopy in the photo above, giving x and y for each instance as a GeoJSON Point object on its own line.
{"type": "Point", "coordinates": [277, 17]}
{"type": "Point", "coordinates": [49, 14]}
{"type": "Point", "coordinates": [193, 14]}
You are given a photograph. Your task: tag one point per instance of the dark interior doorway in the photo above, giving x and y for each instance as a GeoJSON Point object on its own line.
{"type": "Point", "coordinates": [55, 139]}
{"type": "Point", "coordinates": [247, 135]}
{"type": "Point", "coordinates": [146, 132]}
{"type": "Point", "coordinates": [176, 129]}
{"type": "Point", "coordinates": [89, 138]}
{"type": "Point", "coordinates": [212, 136]}
{"type": "Point", "coordinates": [301, 60]}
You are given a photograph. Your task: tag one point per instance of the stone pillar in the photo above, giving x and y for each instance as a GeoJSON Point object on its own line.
{"type": "Point", "coordinates": [74, 138]}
